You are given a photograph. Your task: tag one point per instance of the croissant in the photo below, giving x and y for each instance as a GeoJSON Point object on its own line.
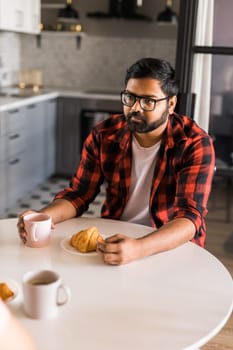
{"type": "Point", "coordinates": [5, 292]}
{"type": "Point", "coordinates": [85, 241]}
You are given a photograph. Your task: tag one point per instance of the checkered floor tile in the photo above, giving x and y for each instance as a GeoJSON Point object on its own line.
{"type": "Point", "coordinates": [44, 194]}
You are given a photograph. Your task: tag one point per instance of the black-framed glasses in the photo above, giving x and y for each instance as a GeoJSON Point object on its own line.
{"type": "Point", "coordinates": [147, 103]}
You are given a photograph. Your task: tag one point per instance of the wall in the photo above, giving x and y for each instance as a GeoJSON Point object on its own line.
{"type": "Point", "coordinates": [100, 62]}
{"type": "Point", "coordinates": [106, 50]}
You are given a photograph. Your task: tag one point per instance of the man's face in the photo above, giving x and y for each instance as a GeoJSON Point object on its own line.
{"type": "Point", "coordinates": [140, 120]}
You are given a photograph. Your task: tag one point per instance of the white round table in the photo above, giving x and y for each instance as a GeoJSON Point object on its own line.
{"type": "Point", "coordinates": [175, 300]}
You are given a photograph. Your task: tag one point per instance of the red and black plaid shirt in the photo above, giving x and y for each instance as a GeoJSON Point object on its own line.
{"type": "Point", "coordinates": [182, 176]}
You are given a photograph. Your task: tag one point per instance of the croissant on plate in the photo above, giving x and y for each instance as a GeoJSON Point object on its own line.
{"type": "Point", "coordinates": [85, 241]}
{"type": "Point", "coordinates": [5, 291]}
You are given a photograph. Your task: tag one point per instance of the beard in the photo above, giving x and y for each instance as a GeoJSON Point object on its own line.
{"type": "Point", "coordinates": [140, 123]}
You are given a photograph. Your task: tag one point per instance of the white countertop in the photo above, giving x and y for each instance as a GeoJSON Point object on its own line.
{"type": "Point", "coordinates": [8, 102]}
{"type": "Point", "coordinates": [176, 300]}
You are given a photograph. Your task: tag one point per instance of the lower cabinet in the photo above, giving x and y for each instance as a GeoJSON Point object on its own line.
{"type": "Point", "coordinates": [16, 132]}
{"type": "Point", "coordinates": [34, 141]}
{"type": "Point", "coordinates": [16, 180]}
{"type": "Point", "coordinates": [28, 141]}
{"type": "Point", "coordinates": [3, 185]}
{"type": "Point", "coordinates": [50, 120]}
{"type": "Point", "coordinates": [3, 188]}
{"type": "Point", "coordinates": [41, 139]}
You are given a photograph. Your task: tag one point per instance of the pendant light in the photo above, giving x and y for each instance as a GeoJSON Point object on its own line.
{"type": "Point", "coordinates": [68, 13]}
{"type": "Point", "coordinates": [168, 15]}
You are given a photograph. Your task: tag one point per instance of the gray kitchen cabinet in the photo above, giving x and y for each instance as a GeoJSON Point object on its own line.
{"type": "Point", "coordinates": [3, 186]}
{"type": "Point", "coordinates": [50, 113]}
{"type": "Point", "coordinates": [68, 135]}
{"type": "Point", "coordinates": [16, 135]}
{"type": "Point", "coordinates": [2, 136]}
{"type": "Point", "coordinates": [40, 154]}
{"type": "Point", "coordinates": [27, 149]}
{"type": "Point", "coordinates": [15, 178]}
{"type": "Point", "coordinates": [34, 153]}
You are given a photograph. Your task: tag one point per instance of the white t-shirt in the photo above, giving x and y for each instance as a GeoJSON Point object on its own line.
{"type": "Point", "coordinates": [143, 164]}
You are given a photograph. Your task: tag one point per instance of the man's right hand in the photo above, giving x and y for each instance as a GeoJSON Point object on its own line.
{"type": "Point", "coordinates": [59, 210]}
{"type": "Point", "coordinates": [20, 225]}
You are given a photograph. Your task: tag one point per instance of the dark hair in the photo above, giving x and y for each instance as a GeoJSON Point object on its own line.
{"type": "Point", "coordinates": [156, 69]}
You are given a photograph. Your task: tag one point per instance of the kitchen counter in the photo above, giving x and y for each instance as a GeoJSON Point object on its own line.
{"type": "Point", "coordinates": [9, 101]}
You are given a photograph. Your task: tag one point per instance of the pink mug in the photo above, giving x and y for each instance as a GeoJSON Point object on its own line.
{"type": "Point", "coordinates": [38, 229]}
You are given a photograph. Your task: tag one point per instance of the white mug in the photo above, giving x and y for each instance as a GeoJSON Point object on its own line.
{"type": "Point", "coordinates": [38, 229]}
{"type": "Point", "coordinates": [43, 293]}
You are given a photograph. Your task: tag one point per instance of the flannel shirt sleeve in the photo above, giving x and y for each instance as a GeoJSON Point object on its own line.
{"type": "Point", "coordinates": [86, 182]}
{"type": "Point", "coordinates": [194, 181]}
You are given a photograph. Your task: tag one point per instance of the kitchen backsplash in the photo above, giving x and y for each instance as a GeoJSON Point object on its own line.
{"type": "Point", "coordinates": [99, 62]}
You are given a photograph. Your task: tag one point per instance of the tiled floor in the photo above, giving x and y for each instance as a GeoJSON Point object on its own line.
{"type": "Point", "coordinates": [44, 194]}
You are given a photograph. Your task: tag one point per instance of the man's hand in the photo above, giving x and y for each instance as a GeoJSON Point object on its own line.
{"type": "Point", "coordinates": [20, 225]}
{"type": "Point", "coordinates": [119, 249]}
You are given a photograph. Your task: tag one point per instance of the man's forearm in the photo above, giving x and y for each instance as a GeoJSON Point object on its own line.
{"type": "Point", "coordinates": [60, 210]}
{"type": "Point", "coordinates": [169, 236]}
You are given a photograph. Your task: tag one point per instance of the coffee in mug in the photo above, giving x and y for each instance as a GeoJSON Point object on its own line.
{"type": "Point", "coordinates": [43, 293]}
{"type": "Point", "coordinates": [38, 229]}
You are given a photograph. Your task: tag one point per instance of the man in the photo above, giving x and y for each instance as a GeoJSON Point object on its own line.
{"type": "Point", "coordinates": [157, 167]}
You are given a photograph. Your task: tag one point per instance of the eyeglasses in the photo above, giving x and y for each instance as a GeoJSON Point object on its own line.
{"type": "Point", "coordinates": [146, 103]}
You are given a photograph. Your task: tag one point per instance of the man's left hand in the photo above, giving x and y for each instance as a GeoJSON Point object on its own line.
{"type": "Point", "coordinates": [119, 249]}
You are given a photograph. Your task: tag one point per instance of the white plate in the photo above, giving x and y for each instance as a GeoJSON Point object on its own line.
{"type": "Point", "coordinates": [13, 286]}
{"type": "Point", "coordinates": [65, 245]}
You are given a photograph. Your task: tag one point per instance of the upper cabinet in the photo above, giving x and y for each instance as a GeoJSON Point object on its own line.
{"type": "Point", "coordinates": [33, 15]}
{"type": "Point", "coordinates": [20, 16]}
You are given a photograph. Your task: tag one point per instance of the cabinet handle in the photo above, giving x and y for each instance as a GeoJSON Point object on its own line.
{"type": "Point", "coordinates": [19, 18]}
{"type": "Point", "coordinates": [14, 161]}
{"type": "Point", "coordinates": [13, 111]}
{"type": "Point", "coordinates": [31, 106]}
{"type": "Point", "coordinates": [35, 22]}
{"type": "Point", "coordinates": [13, 137]}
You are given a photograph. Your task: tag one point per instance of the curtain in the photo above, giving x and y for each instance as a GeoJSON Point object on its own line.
{"type": "Point", "coordinates": [201, 77]}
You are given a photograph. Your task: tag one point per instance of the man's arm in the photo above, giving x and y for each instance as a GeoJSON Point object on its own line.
{"type": "Point", "coordinates": [120, 249]}
{"type": "Point", "coordinates": [60, 210]}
